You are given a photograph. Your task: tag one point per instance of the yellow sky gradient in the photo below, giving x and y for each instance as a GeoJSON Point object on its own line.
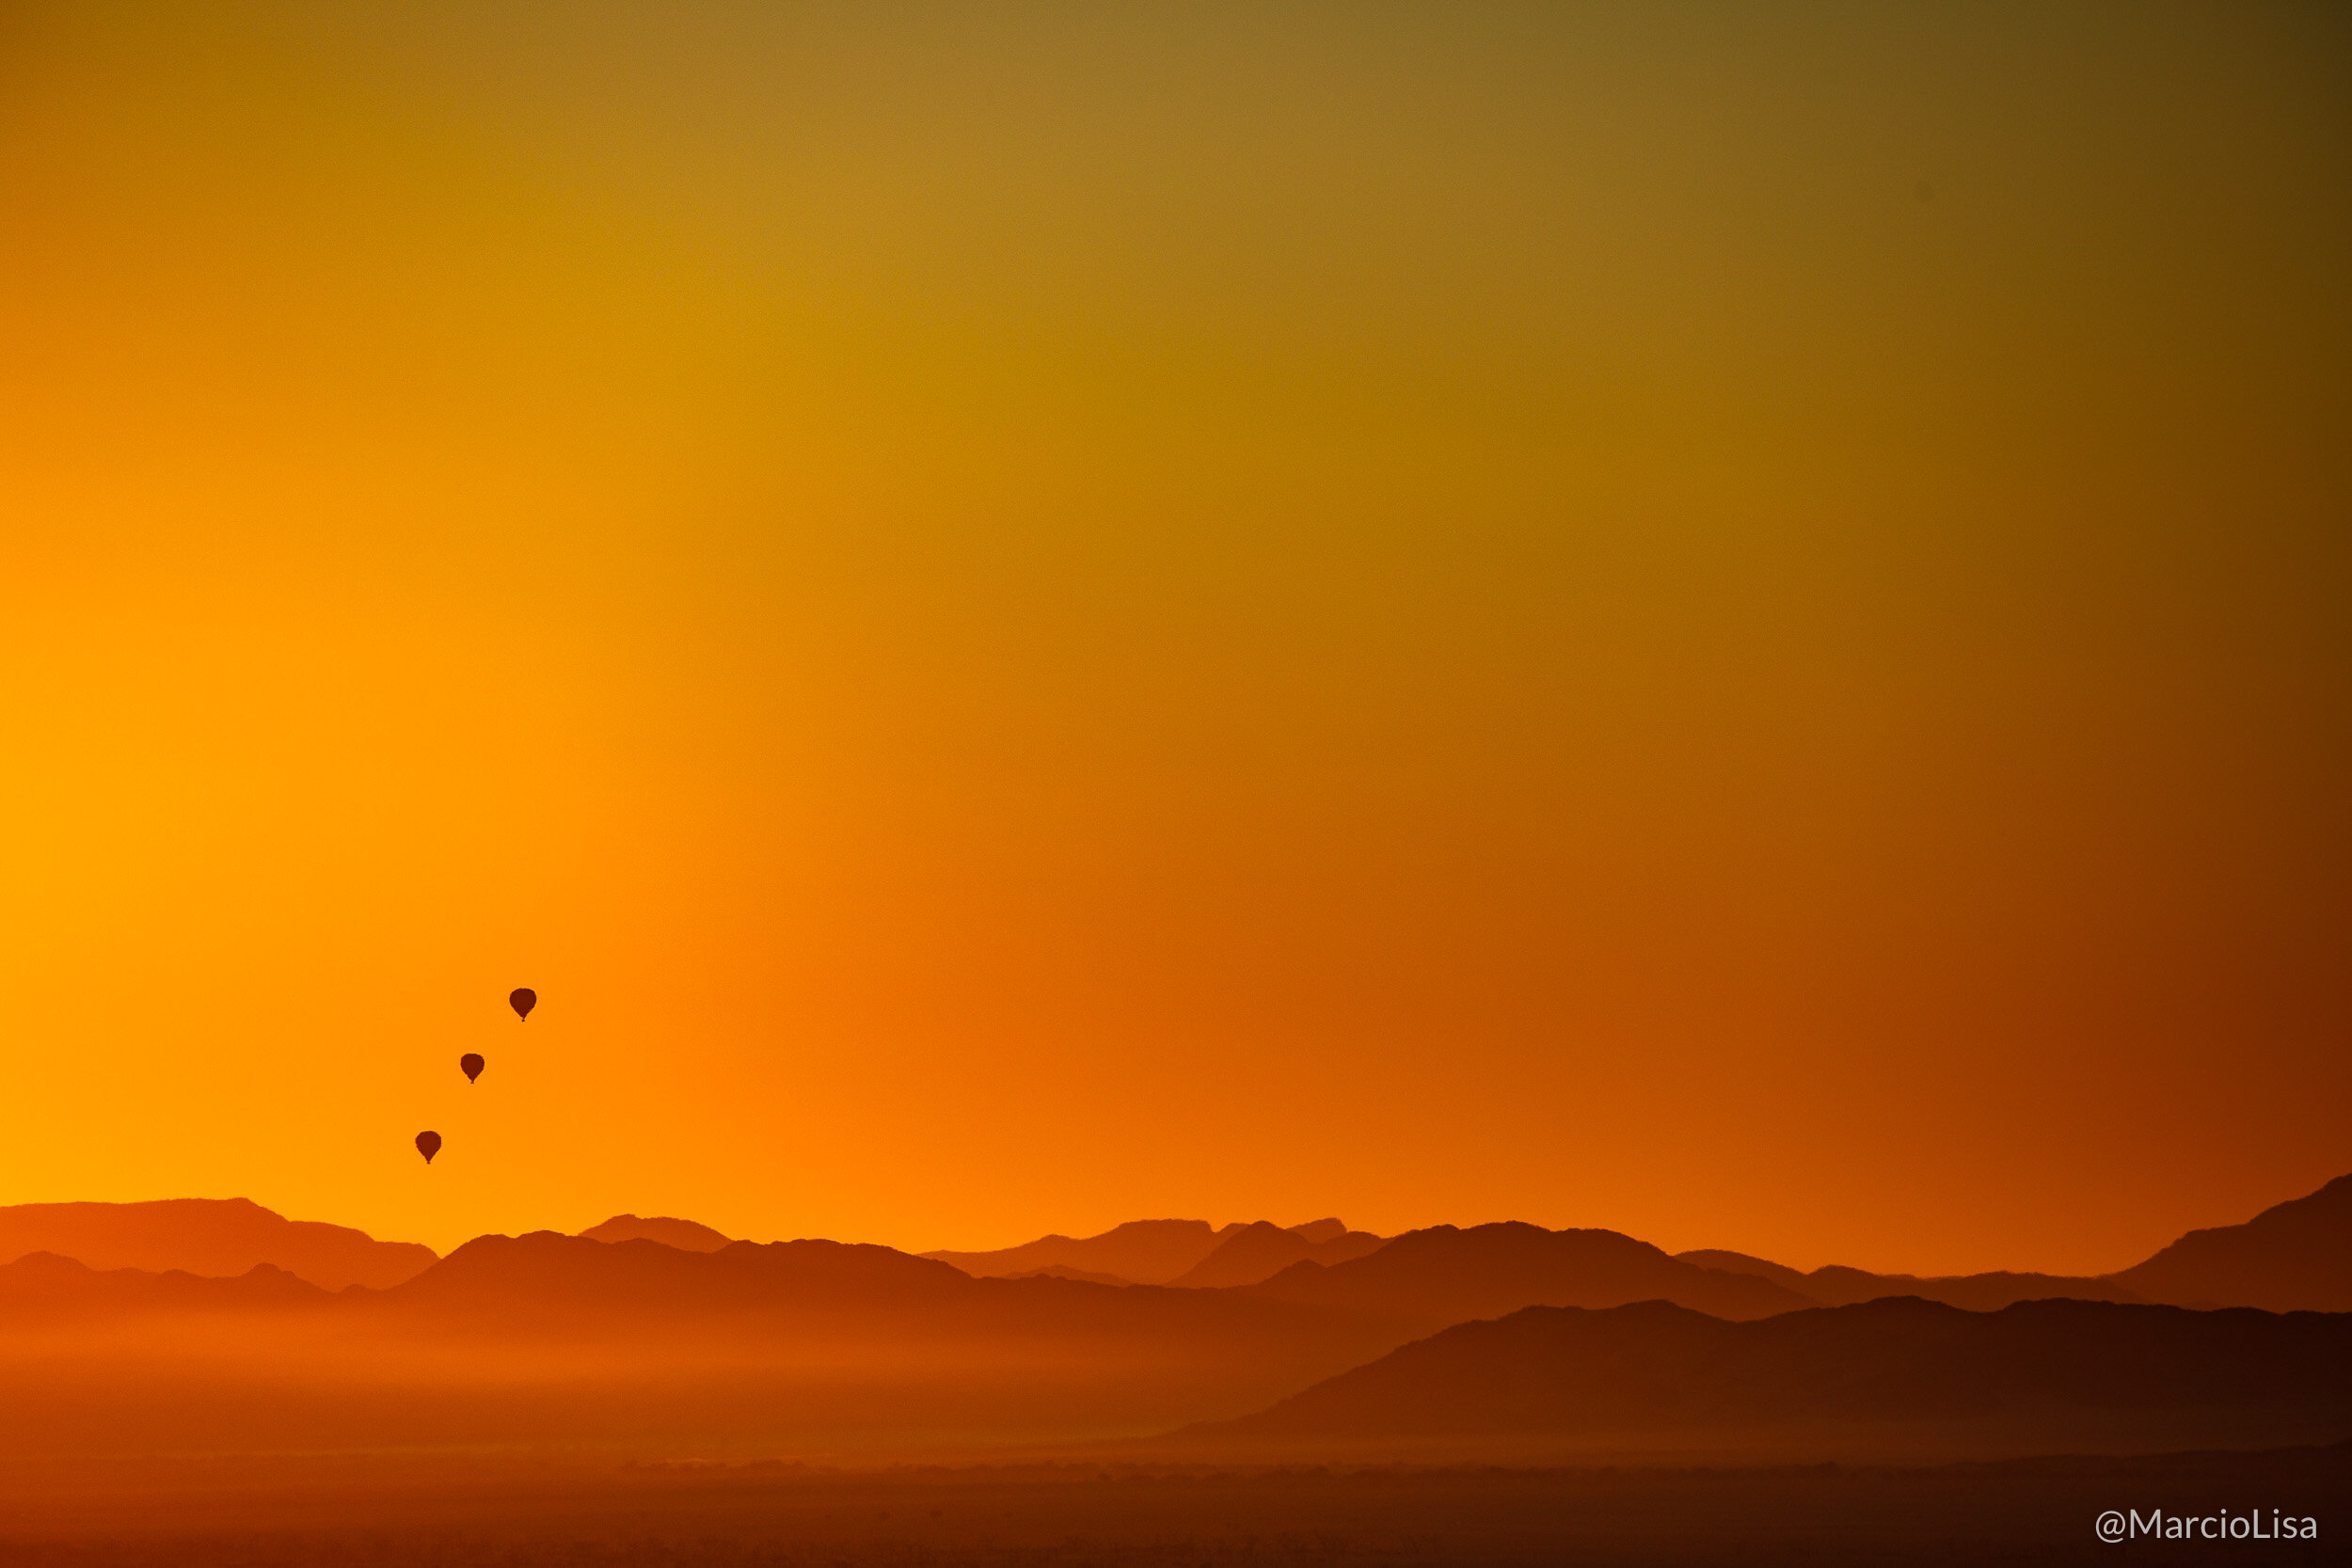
{"type": "Point", "coordinates": [1727, 623]}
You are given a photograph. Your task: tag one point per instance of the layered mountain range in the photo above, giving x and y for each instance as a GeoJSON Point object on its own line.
{"type": "Point", "coordinates": [207, 1236]}
{"type": "Point", "coordinates": [1172, 1252]}
{"type": "Point", "coordinates": [1501, 1332]}
{"type": "Point", "coordinates": [2295, 1256]}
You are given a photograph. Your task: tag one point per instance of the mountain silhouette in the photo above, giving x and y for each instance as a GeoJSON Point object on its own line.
{"type": "Point", "coordinates": [1655, 1366]}
{"type": "Point", "coordinates": [555, 1339]}
{"type": "Point", "coordinates": [553, 1279]}
{"type": "Point", "coordinates": [546, 1285]}
{"type": "Point", "coordinates": [218, 1237]}
{"type": "Point", "coordinates": [1739, 1262]}
{"type": "Point", "coordinates": [1147, 1252]}
{"type": "Point", "coordinates": [685, 1235]}
{"type": "Point", "coordinates": [548, 1338]}
{"type": "Point", "coordinates": [43, 1287]}
{"type": "Point", "coordinates": [2293, 1256]}
{"type": "Point", "coordinates": [1835, 1284]}
{"type": "Point", "coordinates": [1445, 1275]}
{"type": "Point", "coordinates": [1261, 1251]}
{"type": "Point", "coordinates": [1059, 1272]}
{"type": "Point", "coordinates": [881, 1330]}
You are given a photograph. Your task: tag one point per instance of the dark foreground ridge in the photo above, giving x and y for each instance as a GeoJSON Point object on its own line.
{"type": "Point", "coordinates": [1652, 1369]}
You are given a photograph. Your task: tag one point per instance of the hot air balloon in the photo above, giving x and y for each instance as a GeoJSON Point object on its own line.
{"type": "Point", "coordinates": [428, 1145]}
{"type": "Point", "coordinates": [522, 1000]}
{"type": "Point", "coordinates": [471, 1066]}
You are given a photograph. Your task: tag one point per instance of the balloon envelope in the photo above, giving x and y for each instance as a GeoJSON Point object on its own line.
{"type": "Point", "coordinates": [428, 1145]}
{"type": "Point", "coordinates": [471, 1066]}
{"type": "Point", "coordinates": [522, 1000]}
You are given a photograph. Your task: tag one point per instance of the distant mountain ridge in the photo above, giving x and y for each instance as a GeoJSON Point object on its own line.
{"type": "Point", "coordinates": [549, 1279]}
{"type": "Point", "coordinates": [643, 1301]}
{"type": "Point", "coordinates": [1141, 1251]}
{"type": "Point", "coordinates": [627, 1332]}
{"type": "Point", "coordinates": [1835, 1284]}
{"type": "Point", "coordinates": [218, 1237]}
{"type": "Point", "coordinates": [1258, 1252]}
{"type": "Point", "coordinates": [2293, 1256]}
{"type": "Point", "coordinates": [1445, 1275]}
{"type": "Point", "coordinates": [776, 1343]}
{"type": "Point", "coordinates": [43, 1288]}
{"type": "Point", "coordinates": [1058, 1271]}
{"type": "Point", "coordinates": [686, 1235]}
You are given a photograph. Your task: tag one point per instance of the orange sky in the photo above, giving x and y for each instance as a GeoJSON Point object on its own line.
{"type": "Point", "coordinates": [1732, 625]}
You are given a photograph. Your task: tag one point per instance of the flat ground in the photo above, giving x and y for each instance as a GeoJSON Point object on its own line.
{"type": "Point", "coordinates": [521, 1510]}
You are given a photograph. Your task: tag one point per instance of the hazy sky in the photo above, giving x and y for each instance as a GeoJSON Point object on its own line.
{"type": "Point", "coordinates": [1728, 622]}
